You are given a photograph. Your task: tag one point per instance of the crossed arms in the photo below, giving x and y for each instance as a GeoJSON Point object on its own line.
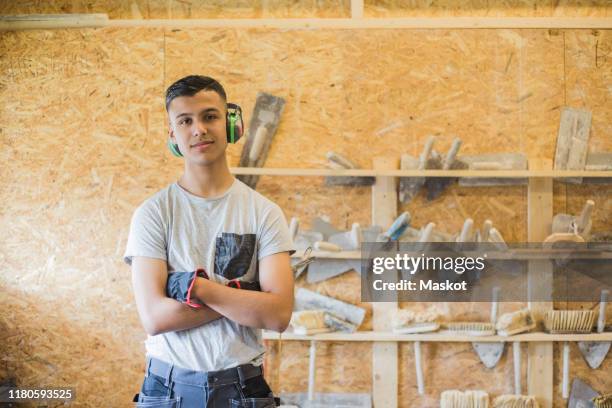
{"type": "Point", "coordinates": [269, 309]}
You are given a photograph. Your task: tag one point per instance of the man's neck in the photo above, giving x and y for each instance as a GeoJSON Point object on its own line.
{"type": "Point", "coordinates": [207, 181]}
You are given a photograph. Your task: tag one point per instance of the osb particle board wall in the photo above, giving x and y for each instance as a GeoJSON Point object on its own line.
{"type": "Point", "coordinates": [83, 130]}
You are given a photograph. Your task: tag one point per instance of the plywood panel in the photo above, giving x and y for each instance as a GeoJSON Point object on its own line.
{"type": "Point", "coordinates": [83, 130]}
{"type": "Point", "coordinates": [82, 146]}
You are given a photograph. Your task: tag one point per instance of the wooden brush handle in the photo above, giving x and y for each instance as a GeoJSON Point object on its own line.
{"type": "Point", "coordinates": [326, 246]}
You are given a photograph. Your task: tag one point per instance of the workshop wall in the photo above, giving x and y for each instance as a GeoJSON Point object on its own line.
{"type": "Point", "coordinates": [83, 130]}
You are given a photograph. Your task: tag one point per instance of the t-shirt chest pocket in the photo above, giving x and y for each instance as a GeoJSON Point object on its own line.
{"type": "Point", "coordinates": [234, 254]}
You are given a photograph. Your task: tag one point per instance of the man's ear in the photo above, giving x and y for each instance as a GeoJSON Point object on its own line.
{"type": "Point", "coordinates": [171, 134]}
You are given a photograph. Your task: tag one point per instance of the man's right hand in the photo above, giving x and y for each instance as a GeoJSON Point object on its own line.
{"type": "Point", "coordinates": [180, 285]}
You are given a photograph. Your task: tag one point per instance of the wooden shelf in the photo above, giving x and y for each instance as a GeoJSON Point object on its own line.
{"type": "Point", "coordinates": [54, 21]}
{"type": "Point", "coordinates": [267, 171]}
{"type": "Point", "coordinates": [518, 254]}
{"type": "Point", "coordinates": [330, 255]}
{"type": "Point", "coordinates": [380, 23]}
{"type": "Point", "coordinates": [437, 337]}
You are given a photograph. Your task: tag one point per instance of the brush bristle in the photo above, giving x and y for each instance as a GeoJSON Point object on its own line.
{"type": "Point", "coordinates": [569, 321]}
{"type": "Point", "coordinates": [464, 399]}
{"type": "Point", "coordinates": [603, 401]}
{"type": "Point", "coordinates": [515, 401]}
{"type": "Point", "coordinates": [470, 328]}
{"type": "Point", "coordinates": [515, 322]}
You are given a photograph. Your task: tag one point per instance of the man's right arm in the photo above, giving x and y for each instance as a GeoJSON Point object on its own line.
{"type": "Point", "coordinates": [158, 313]}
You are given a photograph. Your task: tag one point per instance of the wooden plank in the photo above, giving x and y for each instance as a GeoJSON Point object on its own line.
{"type": "Point", "coordinates": [356, 8]}
{"type": "Point", "coordinates": [514, 254]}
{"type": "Point", "coordinates": [539, 219]}
{"type": "Point", "coordinates": [50, 21]}
{"type": "Point", "coordinates": [267, 171]}
{"type": "Point", "coordinates": [387, 336]}
{"type": "Point", "coordinates": [384, 354]}
{"type": "Point", "coordinates": [381, 23]}
{"type": "Point", "coordinates": [57, 21]}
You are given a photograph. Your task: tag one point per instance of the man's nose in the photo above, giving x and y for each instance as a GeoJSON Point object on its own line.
{"type": "Point", "coordinates": [201, 128]}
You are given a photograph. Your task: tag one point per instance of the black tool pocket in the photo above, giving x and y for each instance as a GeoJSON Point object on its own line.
{"type": "Point", "coordinates": [234, 254]}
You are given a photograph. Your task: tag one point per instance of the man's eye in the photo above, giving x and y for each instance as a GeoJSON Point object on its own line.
{"type": "Point", "coordinates": [211, 117]}
{"type": "Point", "coordinates": [185, 122]}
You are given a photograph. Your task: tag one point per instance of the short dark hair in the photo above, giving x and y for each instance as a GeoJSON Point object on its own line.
{"type": "Point", "coordinates": [191, 85]}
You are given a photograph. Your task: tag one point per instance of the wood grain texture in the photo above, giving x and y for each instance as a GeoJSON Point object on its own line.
{"type": "Point", "coordinates": [83, 130]}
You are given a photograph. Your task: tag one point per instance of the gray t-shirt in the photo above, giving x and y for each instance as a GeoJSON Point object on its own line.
{"type": "Point", "coordinates": [227, 236]}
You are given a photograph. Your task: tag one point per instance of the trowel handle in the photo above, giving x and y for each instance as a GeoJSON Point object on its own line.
{"type": "Point", "coordinates": [495, 237]}
{"type": "Point", "coordinates": [585, 215]}
{"type": "Point", "coordinates": [356, 235]}
{"type": "Point", "coordinates": [566, 369]}
{"type": "Point", "coordinates": [340, 160]}
{"type": "Point", "coordinates": [426, 152]}
{"type": "Point", "coordinates": [486, 228]}
{"type": "Point", "coordinates": [258, 143]}
{"type": "Point", "coordinates": [425, 235]}
{"type": "Point", "coordinates": [495, 304]}
{"type": "Point", "coordinates": [399, 226]}
{"type": "Point", "coordinates": [466, 231]}
{"type": "Point", "coordinates": [452, 153]}
{"type": "Point", "coordinates": [601, 322]}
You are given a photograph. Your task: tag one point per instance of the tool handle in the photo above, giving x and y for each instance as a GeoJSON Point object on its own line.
{"type": "Point", "coordinates": [311, 369]}
{"type": "Point", "coordinates": [356, 235]}
{"type": "Point", "coordinates": [601, 321]}
{"type": "Point", "coordinates": [452, 153]}
{"type": "Point", "coordinates": [425, 235]}
{"type": "Point", "coordinates": [495, 304]}
{"type": "Point", "coordinates": [566, 363]}
{"type": "Point", "coordinates": [516, 359]}
{"type": "Point", "coordinates": [326, 246]}
{"type": "Point", "coordinates": [466, 231]}
{"type": "Point", "coordinates": [486, 228]}
{"type": "Point", "coordinates": [585, 215]}
{"type": "Point", "coordinates": [426, 152]}
{"type": "Point", "coordinates": [340, 160]}
{"type": "Point", "coordinates": [419, 367]}
{"type": "Point", "coordinates": [495, 237]}
{"type": "Point", "coordinates": [399, 226]}
{"type": "Point", "coordinates": [258, 143]}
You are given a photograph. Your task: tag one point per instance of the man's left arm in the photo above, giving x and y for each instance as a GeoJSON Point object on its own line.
{"type": "Point", "coordinates": [269, 309]}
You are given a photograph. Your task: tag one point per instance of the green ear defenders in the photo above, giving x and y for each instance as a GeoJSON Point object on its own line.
{"type": "Point", "coordinates": [234, 128]}
{"type": "Point", "coordinates": [233, 123]}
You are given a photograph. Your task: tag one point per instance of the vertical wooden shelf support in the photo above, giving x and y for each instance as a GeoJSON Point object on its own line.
{"type": "Point", "coordinates": [539, 219]}
{"type": "Point", "coordinates": [384, 354]}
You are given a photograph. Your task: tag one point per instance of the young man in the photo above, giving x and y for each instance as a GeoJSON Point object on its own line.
{"type": "Point", "coordinates": [207, 356]}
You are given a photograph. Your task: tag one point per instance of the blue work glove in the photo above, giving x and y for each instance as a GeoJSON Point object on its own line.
{"type": "Point", "coordinates": [180, 285]}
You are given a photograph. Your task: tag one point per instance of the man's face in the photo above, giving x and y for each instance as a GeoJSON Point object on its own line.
{"type": "Point", "coordinates": [197, 126]}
